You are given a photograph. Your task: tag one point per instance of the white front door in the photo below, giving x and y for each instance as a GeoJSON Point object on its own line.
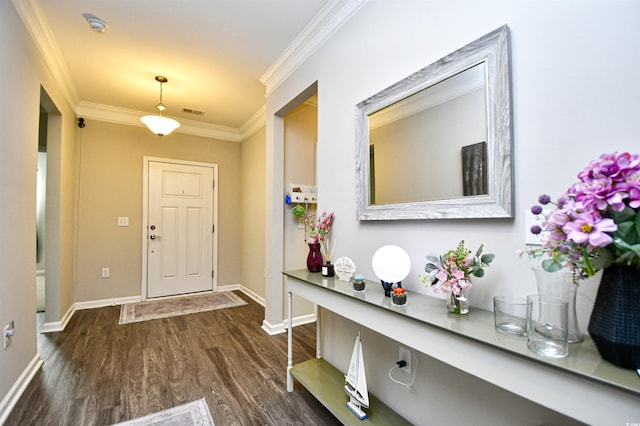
{"type": "Point", "coordinates": [179, 229]}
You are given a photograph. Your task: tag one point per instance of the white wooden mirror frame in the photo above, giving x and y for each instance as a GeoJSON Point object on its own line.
{"type": "Point", "coordinates": [493, 49]}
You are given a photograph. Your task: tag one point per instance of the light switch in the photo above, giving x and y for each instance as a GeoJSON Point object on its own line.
{"type": "Point", "coordinates": [123, 221]}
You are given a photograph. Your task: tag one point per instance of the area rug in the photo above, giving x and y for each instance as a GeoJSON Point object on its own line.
{"type": "Point", "coordinates": [174, 306]}
{"type": "Point", "coordinates": [194, 413]}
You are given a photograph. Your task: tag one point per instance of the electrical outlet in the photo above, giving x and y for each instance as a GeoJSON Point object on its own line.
{"type": "Point", "coordinates": [404, 354]}
{"type": "Point", "coordinates": [106, 272]}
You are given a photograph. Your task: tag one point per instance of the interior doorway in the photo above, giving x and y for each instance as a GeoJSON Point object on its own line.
{"type": "Point", "coordinates": [41, 202]}
{"type": "Point", "coordinates": [47, 256]}
{"type": "Point", "coordinates": [275, 235]}
{"type": "Point", "coordinates": [300, 168]}
{"type": "Point", "coordinates": [300, 145]}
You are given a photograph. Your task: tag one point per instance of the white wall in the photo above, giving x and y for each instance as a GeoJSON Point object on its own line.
{"type": "Point", "coordinates": [575, 95]}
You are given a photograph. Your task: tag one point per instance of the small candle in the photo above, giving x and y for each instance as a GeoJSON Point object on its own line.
{"type": "Point", "coordinates": [358, 283]}
{"type": "Point", "coordinates": [399, 296]}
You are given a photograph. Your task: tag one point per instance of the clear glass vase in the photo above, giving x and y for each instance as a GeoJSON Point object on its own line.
{"type": "Point", "coordinates": [560, 285]}
{"type": "Point", "coordinates": [458, 303]}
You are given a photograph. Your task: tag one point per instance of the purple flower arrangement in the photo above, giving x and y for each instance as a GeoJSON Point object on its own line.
{"type": "Point", "coordinates": [596, 223]}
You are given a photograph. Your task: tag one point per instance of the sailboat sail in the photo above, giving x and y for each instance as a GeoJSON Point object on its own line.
{"type": "Point", "coordinates": [356, 382]}
{"type": "Point", "coordinates": [352, 374]}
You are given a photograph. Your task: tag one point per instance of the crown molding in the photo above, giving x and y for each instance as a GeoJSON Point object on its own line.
{"type": "Point", "coordinates": [324, 24]}
{"type": "Point", "coordinates": [131, 117]}
{"type": "Point", "coordinates": [37, 25]}
{"type": "Point", "coordinates": [257, 121]}
{"type": "Point", "coordinates": [333, 16]}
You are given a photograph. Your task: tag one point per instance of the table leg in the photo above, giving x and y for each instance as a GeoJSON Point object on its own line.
{"type": "Point", "coordinates": [290, 343]}
{"type": "Point", "coordinates": [318, 331]}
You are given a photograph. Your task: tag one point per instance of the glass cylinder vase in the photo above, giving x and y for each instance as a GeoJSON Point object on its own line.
{"type": "Point", "coordinates": [314, 258]}
{"type": "Point", "coordinates": [560, 285]}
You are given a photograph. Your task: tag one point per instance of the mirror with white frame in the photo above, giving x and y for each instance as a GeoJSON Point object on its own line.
{"type": "Point", "coordinates": [439, 143]}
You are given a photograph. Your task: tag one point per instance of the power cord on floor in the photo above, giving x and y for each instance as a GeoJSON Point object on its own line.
{"type": "Point", "coordinates": [402, 364]}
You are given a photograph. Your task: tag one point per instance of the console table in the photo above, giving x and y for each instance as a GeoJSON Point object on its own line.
{"type": "Point", "coordinates": [582, 386]}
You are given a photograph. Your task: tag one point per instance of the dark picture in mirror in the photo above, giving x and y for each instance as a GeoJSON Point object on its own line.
{"type": "Point", "coordinates": [474, 169]}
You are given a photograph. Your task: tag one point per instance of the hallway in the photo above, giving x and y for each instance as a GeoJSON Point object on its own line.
{"type": "Point", "coordinates": [97, 372]}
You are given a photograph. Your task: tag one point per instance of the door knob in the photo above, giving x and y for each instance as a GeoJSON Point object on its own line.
{"type": "Point", "coordinates": [154, 237]}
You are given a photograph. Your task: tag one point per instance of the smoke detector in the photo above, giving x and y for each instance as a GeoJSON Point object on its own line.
{"type": "Point", "coordinates": [95, 24]}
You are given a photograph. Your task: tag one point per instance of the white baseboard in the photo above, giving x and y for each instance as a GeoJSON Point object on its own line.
{"type": "Point", "coordinates": [229, 287]}
{"type": "Point", "coordinates": [18, 388]}
{"type": "Point", "coordinates": [271, 329]}
{"type": "Point", "coordinates": [252, 294]}
{"type": "Point", "coordinates": [107, 302]}
{"type": "Point", "coordinates": [305, 319]}
{"type": "Point", "coordinates": [51, 327]}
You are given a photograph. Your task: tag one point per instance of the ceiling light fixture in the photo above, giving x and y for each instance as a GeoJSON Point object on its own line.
{"type": "Point", "coordinates": [95, 24]}
{"type": "Point", "coordinates": [158, 124]}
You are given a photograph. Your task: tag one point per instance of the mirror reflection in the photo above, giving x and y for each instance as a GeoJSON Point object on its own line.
{"type": "Point", "coordinates": [437, 137]}
{"type": "Point", "coordinates": [438, 143]}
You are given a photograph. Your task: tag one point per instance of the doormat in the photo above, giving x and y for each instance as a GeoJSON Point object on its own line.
{"type": "Point", "coordinates": [174, 306]}
{"type": "Point", "coordinates": [194, 413]}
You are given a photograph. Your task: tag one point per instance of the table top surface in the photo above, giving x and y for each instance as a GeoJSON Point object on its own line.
{"type": "Point", "coordinates": [478, 325]}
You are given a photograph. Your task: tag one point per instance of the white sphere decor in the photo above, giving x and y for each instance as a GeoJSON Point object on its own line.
{"type": "Point", "coordinates": [391, 264]}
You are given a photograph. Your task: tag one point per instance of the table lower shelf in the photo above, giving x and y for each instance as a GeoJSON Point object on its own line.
{"type": "Point", "coordinates": [326, 384]}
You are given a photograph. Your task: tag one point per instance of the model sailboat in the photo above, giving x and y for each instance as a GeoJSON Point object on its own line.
{"type": "Point", "coordinates": [356, 382]}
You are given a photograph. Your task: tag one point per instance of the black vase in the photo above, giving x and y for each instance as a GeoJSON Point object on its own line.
{"type": "Point", "coordinates": [614, 325]}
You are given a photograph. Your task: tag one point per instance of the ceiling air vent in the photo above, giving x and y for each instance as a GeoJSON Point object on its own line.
{"type": "Point", "coordinates": [192, 111]}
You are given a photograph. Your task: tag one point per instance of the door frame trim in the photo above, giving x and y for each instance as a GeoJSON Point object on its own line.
{"type": "Point", "coordinates": [145, 214]}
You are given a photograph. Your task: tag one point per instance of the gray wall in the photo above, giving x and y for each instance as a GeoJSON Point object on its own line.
{"type": "Point", "coordinates": [111, 186]}
{"type": "Point", "coordinates": [23, 74]}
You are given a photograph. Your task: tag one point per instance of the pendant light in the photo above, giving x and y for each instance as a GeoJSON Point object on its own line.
{"type": "Point", "coordinates": [158, 124]}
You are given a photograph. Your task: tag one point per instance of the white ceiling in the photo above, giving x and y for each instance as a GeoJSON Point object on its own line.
{"type": "Point", "coordinates": [213, 52]}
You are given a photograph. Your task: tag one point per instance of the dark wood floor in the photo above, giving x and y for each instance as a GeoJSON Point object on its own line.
{"type": "Point", "coordinates": [97, 372]}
